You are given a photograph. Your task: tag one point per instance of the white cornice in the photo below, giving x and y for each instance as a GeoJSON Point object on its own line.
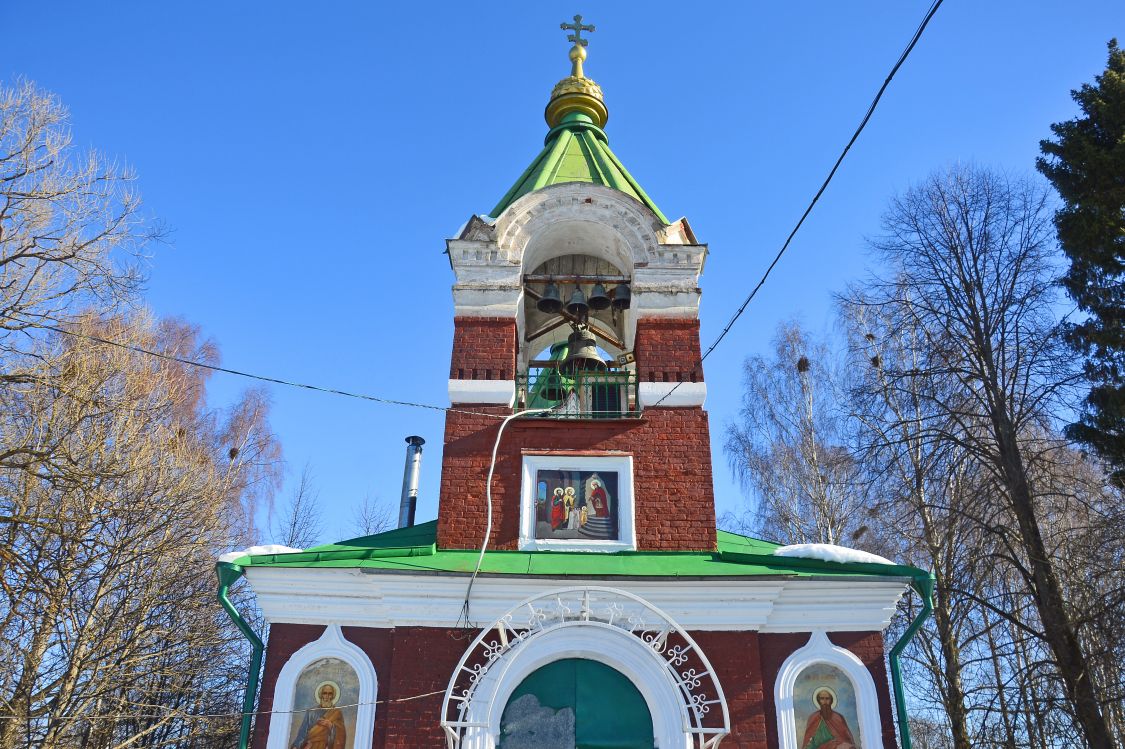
{"type": "Point", "coordinates": [377, 598]}
{"type": "Point", "coordinates": [502, 392]}
{"type": "Point", "coordinates": [672, 394]}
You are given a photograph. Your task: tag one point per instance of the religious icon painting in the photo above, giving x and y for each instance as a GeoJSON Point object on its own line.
{"type": "Point", "coordinates": [324, 707]}
{"type": "Point", "coordinates": [576, 505]}
{"type": "Point", "coordinates": [825, 709]}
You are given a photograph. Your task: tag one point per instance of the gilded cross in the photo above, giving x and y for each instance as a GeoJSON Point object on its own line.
{"type": "Point", "coordinates": [577, 27]}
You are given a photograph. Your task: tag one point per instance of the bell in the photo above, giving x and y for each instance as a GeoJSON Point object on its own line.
{"type": "Point", "coordinates": [577, 305]}
{"type": "Point", "coordinates": [621, 296]}
{"type": "Point", "coordinates": [582, 353]}
{"type": "Point", "coordinates": [550, 302]}
{"type": "Point", "coordinates": [598, 298]}
{"type": "Point", "coordinates": [550, 385]}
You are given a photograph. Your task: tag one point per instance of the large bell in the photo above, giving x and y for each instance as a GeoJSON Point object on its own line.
{"type": "Point", "coordinates": [582, 354]}
{"type": "Point", "coordinates": [621, 296]}
{"type": "Point", "coordinates": [599, 300]}
{"type": "Point", "coordinates": [550, 302]}
{"type": "Point", "coordinates": [577, 305]}
{"type": "Point", "coordinates": [550, 385]}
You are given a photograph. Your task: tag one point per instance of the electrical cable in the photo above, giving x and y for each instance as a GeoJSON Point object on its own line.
{"type": "Point", "coordinates": [210, 716]}
{"type": "Point", "coordinates": [488, 496]}
{"type": "Point", "coordinates": [252, 376]}
{"type": "Point", "coordinates": [832, 173]}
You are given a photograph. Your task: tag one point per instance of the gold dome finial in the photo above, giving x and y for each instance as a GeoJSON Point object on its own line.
{"type": "Point", "coordinates": [576, 92]}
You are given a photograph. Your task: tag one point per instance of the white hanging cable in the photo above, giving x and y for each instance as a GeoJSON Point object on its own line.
{"type": "Point", "coordinates": [488, 495]}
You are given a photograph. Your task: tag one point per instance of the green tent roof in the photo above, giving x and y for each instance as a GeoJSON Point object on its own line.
{"type": "Point", "coordinates": [577, 150]}
{"type": "Point", "coordinates": [415, 550]}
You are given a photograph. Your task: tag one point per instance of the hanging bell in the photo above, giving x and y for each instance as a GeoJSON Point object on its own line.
{"type": "Point", "coordinates": [621, 296]}
{"type": "Point", "coordinates": [550, 385]}
{"type": "Point", "coordinates": [550, 302]}
{"type": "Point", "coordinates": [582, 354]}
{"type": "Point", "coordinates": [599, 300]}
{"type": "Point", "coordinates": [577, 305]}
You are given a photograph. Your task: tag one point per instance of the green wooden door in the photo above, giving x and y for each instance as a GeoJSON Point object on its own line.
{"type": "Point", "coordinates": [576, 703]}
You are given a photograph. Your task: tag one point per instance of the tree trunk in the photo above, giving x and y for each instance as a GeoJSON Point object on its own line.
{"type": "Point", "coordinates": [1046, 592]}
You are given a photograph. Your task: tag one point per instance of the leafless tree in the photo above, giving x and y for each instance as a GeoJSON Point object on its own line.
{"type": "Point", "coordinates": [70, 227]}
{"type": "Point", "coordinates": [300, 523]}
{"type": "Point", "coordinates": [970, 255]}
{"type": "Point", "coordinates": [109, 541]}
{"type": "Point", "coordinates": [371, 516]}
{"type": "Point", "coordinates": [119, 485]}
{"type": "Point", "coordinates": [789, 447]}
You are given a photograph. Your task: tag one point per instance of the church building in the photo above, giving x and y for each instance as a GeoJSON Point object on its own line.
{"type": "Point", "coordinates": [574, 591]}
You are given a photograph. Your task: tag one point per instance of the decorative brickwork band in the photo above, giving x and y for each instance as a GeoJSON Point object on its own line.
{"type": "Point", "coordinates": [667, 350]}
{"type": "Point", "coordinates": [484, 348]}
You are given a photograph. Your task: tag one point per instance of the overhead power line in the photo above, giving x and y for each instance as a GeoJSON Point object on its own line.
{"type": "Point", "coordinates": [252, 376]}
{"type": "Point", "coordinates": [173, 715]}
{"type": "Point", "coordinates": [832, 173]}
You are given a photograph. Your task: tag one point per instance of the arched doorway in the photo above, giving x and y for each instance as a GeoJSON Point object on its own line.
{"type": "Point", "coordinates": [576, 703]}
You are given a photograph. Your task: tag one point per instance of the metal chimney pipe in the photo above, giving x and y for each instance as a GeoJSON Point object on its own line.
{"type": "Point", "coordinates": [409, 502]}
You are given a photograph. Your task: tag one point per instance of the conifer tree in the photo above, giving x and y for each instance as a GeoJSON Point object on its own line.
{"type": "Point", "coordinates": [1086, 164]}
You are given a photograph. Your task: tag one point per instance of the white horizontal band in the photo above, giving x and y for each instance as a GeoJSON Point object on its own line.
{"type": "Point", "coordinates": [377, 598]}
{"type": "Point", "coordinates": [502, 392]}
{"type": "Point", "coordinates": [685, 393]}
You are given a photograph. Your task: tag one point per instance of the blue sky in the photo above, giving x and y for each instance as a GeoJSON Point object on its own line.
{"type": "Point", "coordinates": [312, 159]}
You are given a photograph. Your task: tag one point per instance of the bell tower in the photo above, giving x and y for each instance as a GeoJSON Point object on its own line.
{"type": "Point", "coordinates": [576, 300]}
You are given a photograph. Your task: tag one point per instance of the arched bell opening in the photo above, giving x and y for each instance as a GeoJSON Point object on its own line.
{"type": "Point", "coordinates": [574, 322]}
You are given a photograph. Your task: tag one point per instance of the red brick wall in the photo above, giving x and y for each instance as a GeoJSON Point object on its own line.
{"type": "Point", "coordinates": [736, 659]}
{"type": "Point", "coordinates": [412, 661]}
{"type": "Point", "coordinates": [484, 348]}
{"type": "Point", "coordinates": [672, 484]}
{"type": "Point", "coordinates": [868, 646]}
{"type": "Point", "coordinates": [667, 350]}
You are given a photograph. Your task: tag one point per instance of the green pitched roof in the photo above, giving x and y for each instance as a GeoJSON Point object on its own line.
{"type": "Point", "coordinates": [577, 150]}
{"type": "Point", "coordinates": [415, 550]}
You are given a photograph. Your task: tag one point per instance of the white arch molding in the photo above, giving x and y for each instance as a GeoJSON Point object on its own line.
{"type": "Point", "coordinates": [614, 226]}
{"type": "Point", "coordinates": [331, 644]}
{"type": "Point", "coordinates": [616, 628]}
{"type": "Point", "coordinates": [820, 649]}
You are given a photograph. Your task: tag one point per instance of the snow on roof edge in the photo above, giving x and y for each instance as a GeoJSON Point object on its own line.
{"type": "Point", "coordinates": [829, 553]}
{"type": "Point", "coordinates": [230, 556]}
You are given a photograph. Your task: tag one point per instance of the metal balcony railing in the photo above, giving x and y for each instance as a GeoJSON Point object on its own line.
{"type": "Point", "coordinates": [605, 394]}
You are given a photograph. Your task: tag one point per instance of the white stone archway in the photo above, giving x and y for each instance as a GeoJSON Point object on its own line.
{"type": "Point", "coordinates": [820, 649]}
{"type": "Point", "coordinates": [610, 626]}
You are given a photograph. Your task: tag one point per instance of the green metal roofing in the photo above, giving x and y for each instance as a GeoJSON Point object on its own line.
{"type": "Point", "coordinates": [577, 150]}
{"type": "Point", "coordinates": [415, 550]}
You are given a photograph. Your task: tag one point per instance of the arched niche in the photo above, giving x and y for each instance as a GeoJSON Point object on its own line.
{"type": "Point", "coordinates": [329, 659]}
{"type": "Point", "coordinates": [829, 666]}
{"type": "Point", "coordinates": [541, 330]}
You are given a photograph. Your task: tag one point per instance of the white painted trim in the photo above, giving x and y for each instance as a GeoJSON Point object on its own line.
{"type": "Point", "coordinates": [502, 392]}
{"type": "Point", "coordinates": [331, 644]}
{"type": "Point", "coordinates": [593, 641]}
{"type": "Point", "coordinates": [687, 394]}
{"type": "Point", "coordinates": [380, 598]}
{"type": "Point", "coordinates": [622, 465]}
{"type": "Point", "coordinates": [821, 650]}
